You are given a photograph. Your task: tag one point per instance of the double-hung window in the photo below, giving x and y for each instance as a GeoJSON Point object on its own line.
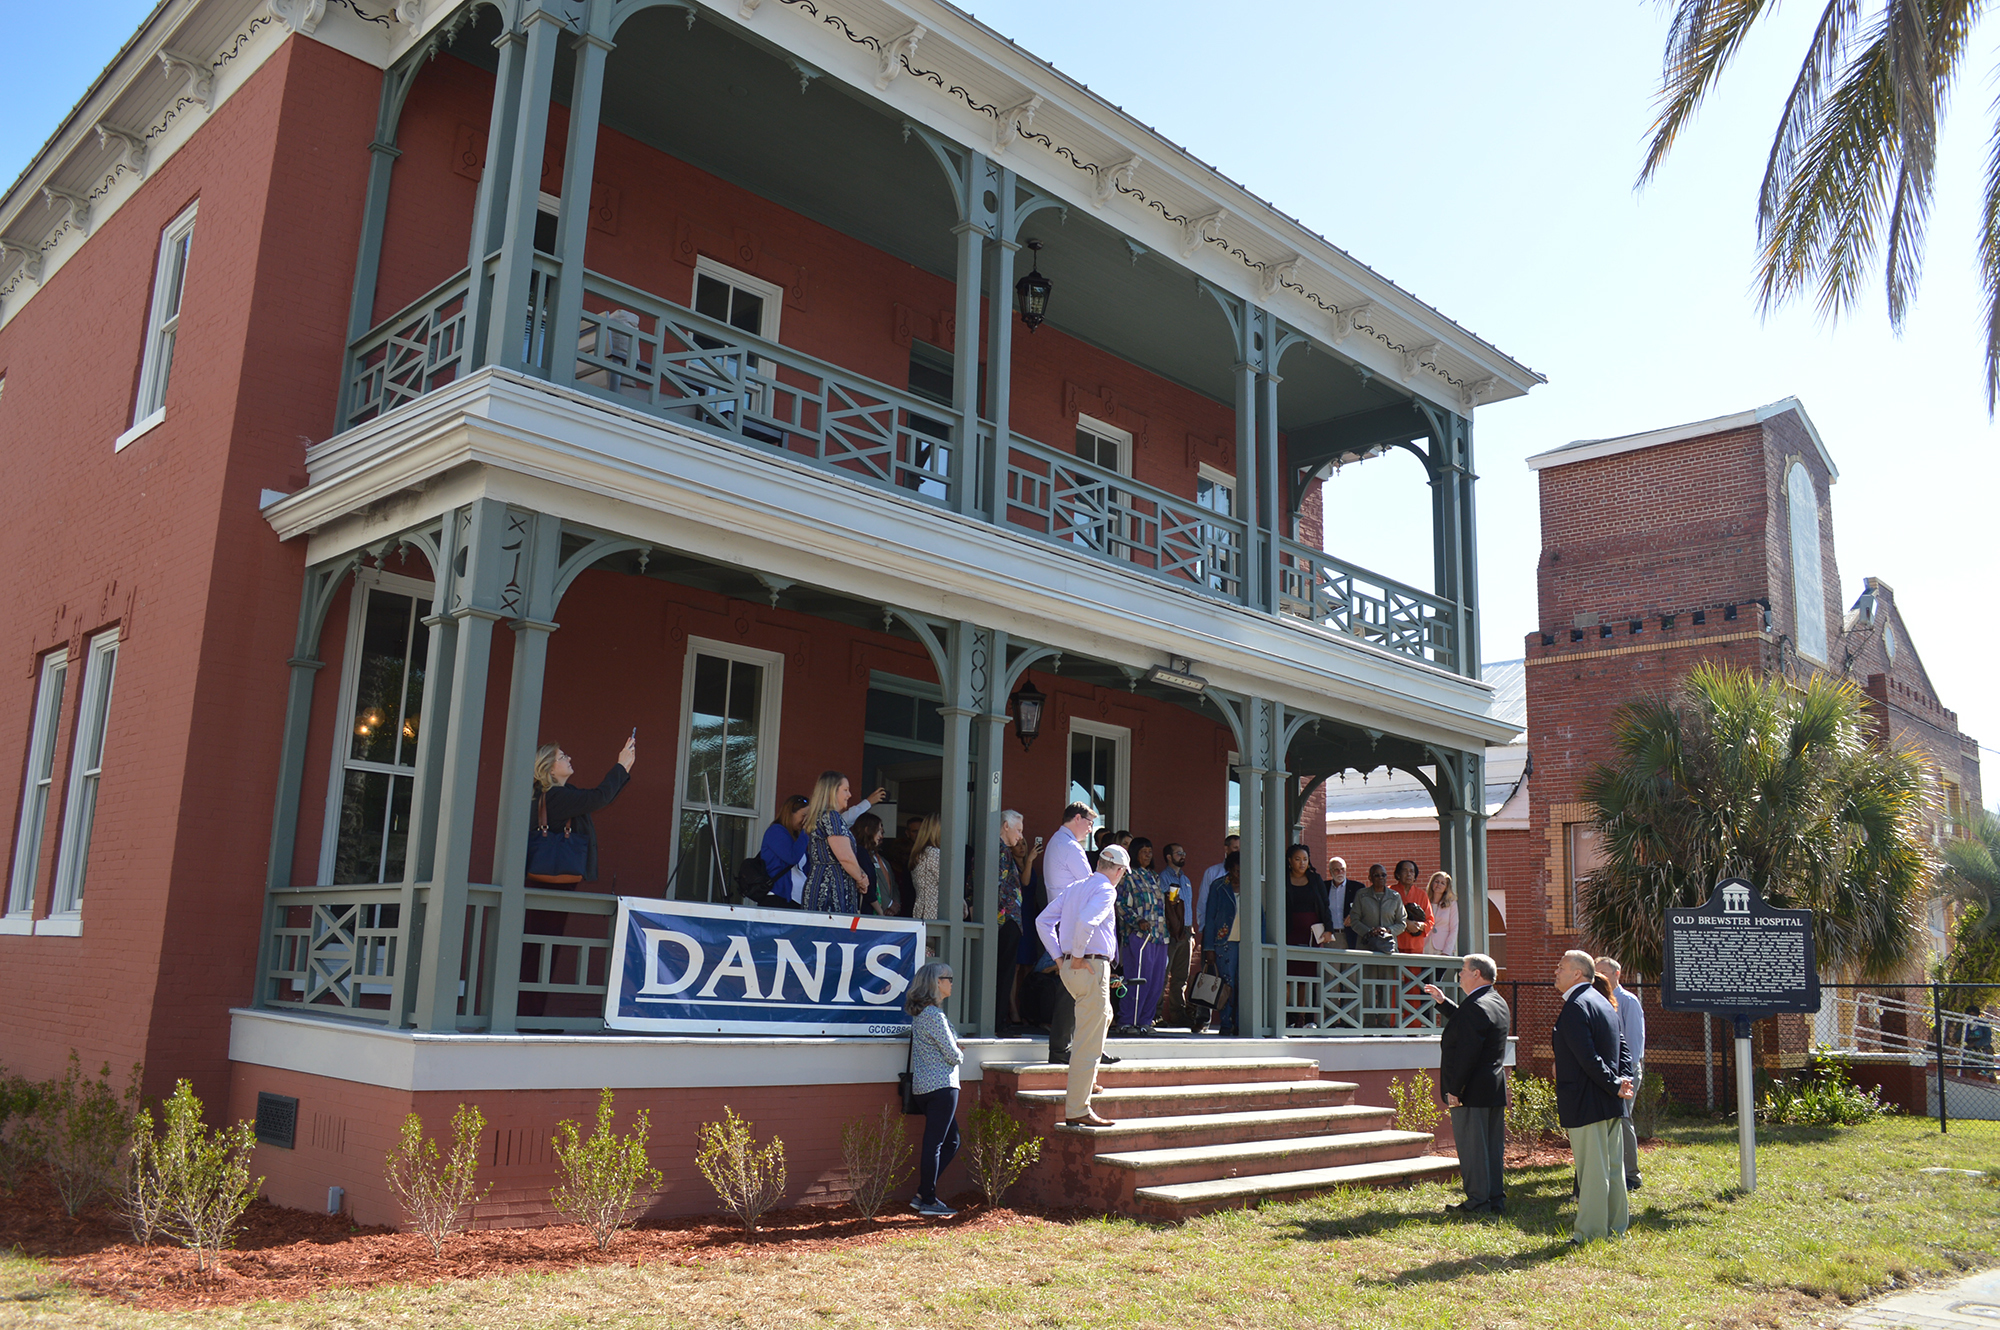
{"type": "Point", "coordinates": [749, 305]}
{"type": "Point", "coordinates": [728, 769]}
{"type": "Point", "coordinates": [382, 703]}
{"type": "Point", "coordinates": [1097, 513]}
{"type": "Point", "coordinates": [86, 771]}
{"type": "Point", "coordinates": [163, 321]}
{"type": "Point", "coordinates": [35, 790]}
{"type": "Point", "coordinates": [1221, 569]}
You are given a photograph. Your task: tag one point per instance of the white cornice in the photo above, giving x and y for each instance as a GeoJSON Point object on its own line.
{"type": "Point", "coordinates": [503, 436]}
{"type": "Point", "coordinates": [1585, 450]}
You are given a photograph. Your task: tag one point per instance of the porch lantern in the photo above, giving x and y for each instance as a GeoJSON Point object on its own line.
{"type": "Point", "coordinates": [1032, 291]}
{"type": "Point", "coordinates": [1025, 706]}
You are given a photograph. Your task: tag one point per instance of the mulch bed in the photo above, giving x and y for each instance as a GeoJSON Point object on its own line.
{"type": "Point", "coordinates": [289, 1254]}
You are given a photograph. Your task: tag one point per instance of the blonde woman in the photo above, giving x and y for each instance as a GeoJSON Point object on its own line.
{"type": "Point", "coordinates": [835, 879]}
{"type": "Point", "coordinates": [926, 862]}
{"type": "Point", "coordinates": [1443, 938]}
{"type": "Point", "coordinates": [561, 807]}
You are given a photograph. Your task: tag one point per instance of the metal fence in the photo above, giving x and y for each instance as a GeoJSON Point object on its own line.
{"type": "Point", "coordinates": [1918, 1045]}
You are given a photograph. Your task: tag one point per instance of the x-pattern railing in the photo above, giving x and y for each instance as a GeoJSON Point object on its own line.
{"type": "Point", "coordinates": [1314, 585]}
{"type": "Point", "coordinates": [336, 949]}
{"type": "Point", "coordinates": [1066, 499]}
{"type": "Point", "coordinates": [1362, 993]}
{"type": "Point", "coordinates": [418, 351]}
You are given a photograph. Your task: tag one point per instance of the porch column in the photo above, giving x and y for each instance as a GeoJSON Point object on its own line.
{"type": "Point", "coordinates": [1277, 822]}
{"type": "Point", "coordinates": [965, 354]}
{"type": "Point", "coordinates": [490, 538]}
{"type": "Point", "coordinates": [969, 812]}
{"type": "Point", "coordinates": [992, 497]}
{"type": "Point", "coordinates": [489, 208]}
{"type": "Point", "coordinates": [1454, 537]}
{"type": "Point", "coordinates": [1273, 524]}
{"type": "Point", "coordinates": [984, 818]}
{"type": "Point", "coordinates": [517, 309]}
{"type": "Point", "coordinates": [1247, 469]}
{"type": "Point", "coordinates": [1461, 797]}
{"type": "Point", "coordinates": [1250, 986]}
{"type": "Point", "coordinates": [573, 217]}
{"type": "Point", "coordinates": [517, 763]}
{"type": "Point", "coordinates": [440, 670]}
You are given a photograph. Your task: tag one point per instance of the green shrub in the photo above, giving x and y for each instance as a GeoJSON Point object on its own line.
{"type": "Point", "coordinates": [436, 1191]}
{"type": "Point", "coordinates": [749, 1181]}
{"type": "Point", "coordinates": [1825, 1097]}
{"type": "Point", "coordinates": [78, 1130]}
{"type": "Point", "coordinates": [603, 1176]}
{"type": "Point", "coordinates": [877, 1154]}
{"type": "Point", "coordinates": [19, 1099]}
{"type": "Point", "coordinates": [997, 1150]}
{"type": "Point", "coordinates": [1416, 1103]}
{"type": "Point", "coordinates": [191, 1183]}
{"type": "Point", "coordinates": [1531, 1108]}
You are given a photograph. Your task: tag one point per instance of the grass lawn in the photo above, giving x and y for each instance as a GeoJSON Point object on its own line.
{"type": "Point", "coordinates": [1838, 1216]}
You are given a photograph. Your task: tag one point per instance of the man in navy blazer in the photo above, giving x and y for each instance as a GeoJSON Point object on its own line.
{"type": "Point", "coordinates": [1473, 1080]}
{"type": "Point", "coordinates": [1593, 1079]}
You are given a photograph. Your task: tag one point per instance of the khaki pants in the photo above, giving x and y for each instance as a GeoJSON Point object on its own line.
{"type": "Point", "coordinates": [1092, 990]}
{"type": "Point", "coordinates": [1601, 1205]}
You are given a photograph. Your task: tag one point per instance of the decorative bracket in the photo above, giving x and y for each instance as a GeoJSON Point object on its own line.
{"type": "Point", "coordinates": [131, 148]}
{"type": "Point", "coordinates": [1021, 116]}
{"type": "Point", "coordinates": [890, 55]}
{"type": "Point", "coordinates": [1197, 231]}
{"type": "Point", "coordinates": [200, 78]}
{"type": "Point", "coordinates": [410, 13]}
{"type": "Point", "coordinates": [1349, 318]}
{"type": "Point", "coordinates": [76, 205]}
{"type": "Point", "coordinates": [774, 585]}
{"type": "Point", "coordinates": [1416, 357]}
{"type": "Point", "coordinates": [1112, 179]}
{"type": "Point", "coordinates": [301, 16]}
{"type": "Point", "coordinates": [1471, 393]}
{"type": "Point", "coordinates": [31, 257]}
{"type": "Point", "coordinates": [1135, 249]}
{"type": "Point", "coordinates": [805, 71]}
{"type": "Point", "coordinates": [1277, 274]}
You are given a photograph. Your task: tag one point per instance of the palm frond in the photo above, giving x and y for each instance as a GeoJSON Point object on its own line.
{"type": "Point", "coordinates": [1701, 39]}
{"type": "Point", "coordinates": [1989, 263]}
{"type": "Point", "coordinates": [1825, 56]}
{"type": "Point", "coordinates": [1924, 40]}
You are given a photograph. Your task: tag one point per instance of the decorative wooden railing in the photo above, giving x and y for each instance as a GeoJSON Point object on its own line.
{"type": "Point", "coordinates": [644, 352]}
{"type": "Point", "coordinates": [1360, 992]}
{"type": "Point", "coordinates": [1315, 586]}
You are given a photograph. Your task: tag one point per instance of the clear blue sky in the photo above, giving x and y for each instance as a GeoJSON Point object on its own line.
{"type": "Point", "coordinates": [1482, 156]}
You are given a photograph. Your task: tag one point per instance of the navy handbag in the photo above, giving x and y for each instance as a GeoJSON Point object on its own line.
{"type": "Point", "coordinates": [556, 857]}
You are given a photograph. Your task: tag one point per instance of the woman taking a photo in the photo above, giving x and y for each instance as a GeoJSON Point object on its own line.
{"type": "Point", "coordinates": [1443, 939]}
{"type": "Point", "coordinates": [934, 1059]}
{"type": "Point", "coordinates": [562, 809]}
{"type": "Point", "coordinates": [834, 879]}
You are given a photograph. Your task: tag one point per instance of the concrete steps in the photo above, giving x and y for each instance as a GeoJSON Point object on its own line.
{"type": "Point", "coordinates": [1189, 1136]}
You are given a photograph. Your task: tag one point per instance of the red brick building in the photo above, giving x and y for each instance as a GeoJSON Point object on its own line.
{"type": "Point", "coordinates": [387, 390]}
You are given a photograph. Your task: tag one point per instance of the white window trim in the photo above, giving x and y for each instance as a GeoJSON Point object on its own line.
{"type": "Point", "coordinates": [350, 675]}
{"type": "Point", "coordinates": [42, 739]}
{"type": "Point", "coordinates": [150, 369]}
{"type": "Point", "coordinates": [1123, 438]}
{"type": "Point", "coordinates": [1217, 476]}
{"type": "Point", "coordinates": [73, 852]}
{"type": "Point", "coordinates": [768, 706]}
{"type": "Point", "coordinates": [1121, 797]}
{"type": "Point", "coordinates": [774, 295]}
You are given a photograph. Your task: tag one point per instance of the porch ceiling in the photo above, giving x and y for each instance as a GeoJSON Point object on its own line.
{"type": "Point", "coordinates": [716, 96]}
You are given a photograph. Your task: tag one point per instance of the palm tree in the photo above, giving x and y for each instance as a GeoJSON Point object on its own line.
{"type": "Point", "coordinates": [1855, 148]}
{"type": "Point", "coordinates": [1972, 874]}
{"type": "Point", "coordinates": [1740, 775]}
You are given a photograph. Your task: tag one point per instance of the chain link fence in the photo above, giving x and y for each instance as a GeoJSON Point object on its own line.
{"type": "Point", "coordinates": [1927, 1048]}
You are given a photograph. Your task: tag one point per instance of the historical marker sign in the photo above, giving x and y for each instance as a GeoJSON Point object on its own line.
{"type": "Point", "coordinates": [1734, 957]}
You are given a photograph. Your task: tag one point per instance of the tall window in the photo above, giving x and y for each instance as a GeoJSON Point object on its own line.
{"type": "Point", "coordinates": [86, 769]}
{"type": "Point", "coordinates": [1215, 492]}
{"type": "Point", "coordinates": [1808, 582]}
{"type": "Point", "coordinates": [744, 302]}
{"type": "Point", "coordinates": [1097, 516]}
{"type": "Point", "coordinates": [162, 325]}
{"type": "Point", "coordinates": [41, 776]}
{"type": "Point", "coordinates": [729, 720]}
{"type": "Point", "coordinates": [929, 457]}
{"type": "Point", "coordinates": [1583, 854]}
{"type": "Point", "coordinates": [381, 719]}
{"type": "Point", "coordinates": [1100, 770]}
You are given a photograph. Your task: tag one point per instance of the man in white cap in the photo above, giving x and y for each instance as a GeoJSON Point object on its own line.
{"type": "Point", "coordinates": [1086, 932]}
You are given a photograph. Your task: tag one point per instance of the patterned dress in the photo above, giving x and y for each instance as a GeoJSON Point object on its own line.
{"type": "Point", "coordinates": [1010, 887]}
{"type": "Point", "coordinates": [828, 887]}
{"type": "Point", "coordinates": [924, 877]}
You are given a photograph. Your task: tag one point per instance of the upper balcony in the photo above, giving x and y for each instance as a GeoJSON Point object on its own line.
{"type": "Point", "coordinates": [810, 249]}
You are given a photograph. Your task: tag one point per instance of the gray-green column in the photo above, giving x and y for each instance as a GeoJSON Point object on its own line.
{"type": "Point", "coordinates": [965, 354]}
{"type": "Point", "coordinates": [512, 330]}
{"type": "Point", "coordinates": [573, 218]}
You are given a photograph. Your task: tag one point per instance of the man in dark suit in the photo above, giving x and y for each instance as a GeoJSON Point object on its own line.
{"type": "Point", "coordinates": [1593, 1079]}
{"type": "Point", "coordinates": [1474, 1083]}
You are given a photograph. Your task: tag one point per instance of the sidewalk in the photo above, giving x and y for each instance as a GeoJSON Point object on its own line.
{"type": "Point", "coordinates": [1971, 1303]}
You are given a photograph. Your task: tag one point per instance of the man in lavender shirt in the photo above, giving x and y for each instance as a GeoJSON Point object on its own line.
{"type": "Point", "coordinates": [1063, 865]}
{"type": "Point", "coordinates": [1085, 928]}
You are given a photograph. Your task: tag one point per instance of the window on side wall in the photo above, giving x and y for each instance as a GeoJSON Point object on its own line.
{"type": "Point", "coordinates": [1583, 854]}
{"type": "Point", "coordinates": [1099, 515]}
{"type": "Point", "coordinates": [36, 787]}
{"type": "Point", "coordinates": [86, 772]}
{"type": "Point", "coordinates": [727, 777]}
{"type": "Point", "coordinates": [751, 305]}
{"type": "Point", "coordinates": [1221, 564]}
{"type": "Point", "coordinates": [163, 322]}
{"type": "Point", "coordinates": [381, 720]}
